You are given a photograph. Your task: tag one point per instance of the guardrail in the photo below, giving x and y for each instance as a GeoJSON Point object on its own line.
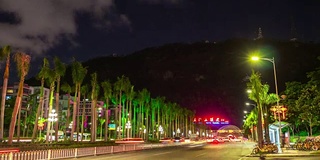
{"type": "Point", "coordinates": [78, 152]}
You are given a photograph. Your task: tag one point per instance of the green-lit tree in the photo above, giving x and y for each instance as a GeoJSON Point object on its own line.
{"type": "Point", "coordinates": [107, 94]}
{"type": "Point", "coordinates": [255, 86]}
{"type": "Point", "coordinates": [251, 122]}
{"type": "Point", "coordinates": [101, 121]}
{"type": "Point", "coordinates": [43, 74]}
{"type": "Point", "coordinates": [266, 100]}
{"type": "Point", "coordinates": [51, 80]}
{"type": "Point", "coordinates": [60, 69]}
{"type": "Point", "coordinates": [65, 87]}
{"type": "Point", "coordinates": [119, 87]}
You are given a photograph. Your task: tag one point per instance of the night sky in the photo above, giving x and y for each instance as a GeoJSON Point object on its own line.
{"type": "Point", "coordinates": [87, 29]}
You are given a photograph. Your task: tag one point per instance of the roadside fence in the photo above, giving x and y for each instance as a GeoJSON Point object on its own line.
{"type": "Point", "coordinates": [78, 152]}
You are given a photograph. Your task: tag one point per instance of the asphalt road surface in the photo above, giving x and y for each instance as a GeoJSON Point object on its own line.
{"type": "Point", "coordinates": [282, 158]}
{"type": "Point", "coordinates": [222, 151]}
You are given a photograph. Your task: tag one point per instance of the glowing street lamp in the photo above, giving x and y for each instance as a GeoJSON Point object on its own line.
{"type": "Point", "coordinates": [274, 70]}
{"type": "Point", "coordinates": [128, 126]}
{"type": "Point", "coordinates": [250, 104]}
{"type": "Point", "coordinates": [52, 118]}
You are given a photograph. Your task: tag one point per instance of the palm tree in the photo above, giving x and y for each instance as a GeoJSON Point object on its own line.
{"type": "Point", "coordinates": [94, 97]}
{"type": "Point", "coordinates": [251, 121]}
{"type": "Point", "coordinates": [78, 74]}
{"type": "Point", "coordinates": [4, 52]}
{"type": "Point", "coordinates": [102, 121]}
{"type": "Point", "coordinates": [43, 74]}
{"type": "Point", "coordinates": [22, 60]}
{"type": "Point", "coordinates": [119, 86]}
{"type": "Point", "coordinates": [60, 70]}
{"type": "Point", "coordinates": [147, 112]}
{"type": "Point", "coordinates": [256, 88]}
{"type": "Point", "coordinates": [266, 100]}
{"type": "Point", "coordinates": [107, 94]}
{"type": "Point", "coordinates": [84, 91]}
{"type": "Point", "coordinates": [65, 87]}
{"type": "Point", "coordinates": [135, 123]}
{"type": "Point", "coordinates": [130, 96]}
{"type": "Point", "coordinates": [143, 98]}
{"type": "Point", "coordinates": [51, 80]}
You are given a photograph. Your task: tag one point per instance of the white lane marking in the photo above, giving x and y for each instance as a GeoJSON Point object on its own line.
{"type": "Point", "coordinates": [161, 153]}
{"type": "Point", "coordinates": [200, 155]}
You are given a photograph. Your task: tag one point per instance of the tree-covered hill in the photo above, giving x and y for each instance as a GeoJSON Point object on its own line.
{"type": "Point", "coordinates": [208, 77]}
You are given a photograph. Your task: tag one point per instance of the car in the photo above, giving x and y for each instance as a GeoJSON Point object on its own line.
{"type": "Point", "coordinates": [166, 140]}
{"type": "Point", "coordinates": [177, 139]}
{"type": "Point", "coordinates": [220, 140]}
{"type": "Point", "coordinates": [213, 140]}
{"type": "Point", "coordinates": [236, 140]}
{"type": "Point", "coordinates": [209, 140]}
{"type": "Point", "coordinates": [226, 139]}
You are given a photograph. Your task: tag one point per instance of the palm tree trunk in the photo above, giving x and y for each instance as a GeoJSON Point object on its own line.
{"type": "Point", "coordinates": [35, 126]}
{"type": "Point", "coordinates": [15, 112]}
{"type": "Point", "coordinates": [78, 108]}
{"type": "Point", "coordinates": [106, 114]}
{"type": "Point", "coordinates": [19, 124]}
{"type": "Point", "coordinates": [4, 94]}
{"type": "Point", "coordinates": [68, 119]}
{"type": "Point", "coordinates": [120, 117]}
{"type": "Point", "coordinates": [93, 121]}
{"type": "Point", "coordinates": [74, 113]}
{"type": "Point", "coordinates": [56, 127]}
{"type": "Point", "coordinates": [50, 110]}
{"type": "Point", "coordinates": [260, 132]}
{"type": "Point", "coordinates": [84, 105]}
{"type": "Point", "coordinates": [25, 124]}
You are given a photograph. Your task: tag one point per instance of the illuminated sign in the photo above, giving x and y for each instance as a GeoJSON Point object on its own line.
{"type": "Point", "coordinates": [112, 126]}
{"type": "Point", "coordinates": [211, 121]}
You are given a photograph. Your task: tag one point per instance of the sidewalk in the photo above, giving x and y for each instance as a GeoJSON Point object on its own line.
{"type": "Point", "coordinates": [290, 153]}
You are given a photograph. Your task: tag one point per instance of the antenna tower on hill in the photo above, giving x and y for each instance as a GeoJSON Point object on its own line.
{"type": "Point", "coordinates": [260, 36]}
{"type": "Point", "coordinates": [294, 35]}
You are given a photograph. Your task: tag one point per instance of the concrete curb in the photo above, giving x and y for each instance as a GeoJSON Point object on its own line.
{"type": "Point", "coordinates": [285, 155]}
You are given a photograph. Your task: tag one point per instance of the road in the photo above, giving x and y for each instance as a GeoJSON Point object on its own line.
{"type": "Point", "coordinates": [281, 158]}
{"type": "Point", "coordinates": [222, 151]}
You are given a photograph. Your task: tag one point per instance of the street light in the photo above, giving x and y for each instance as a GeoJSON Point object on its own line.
{"type": "Point", "coordinates": [52, 118]}
{"type": "Point", "coordinates": [250, 104]}
{"type": "Point", "coordinates": [276, 86]}
{"type": "Point", "coordinates": [128, 126]}
{"type": "Point", "coordinates": [274, 71]}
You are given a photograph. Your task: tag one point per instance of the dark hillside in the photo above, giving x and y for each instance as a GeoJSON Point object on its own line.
{"type": "Point", "coordinates": [209, 78]}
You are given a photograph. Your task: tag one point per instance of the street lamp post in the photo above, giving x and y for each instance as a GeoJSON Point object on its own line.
{"type": "Point", "coordinates": [128, 126]}
{"type": "Point", "coordinates": [276, 87]}
{"type": "Point", "coordinates": [52, 118]}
